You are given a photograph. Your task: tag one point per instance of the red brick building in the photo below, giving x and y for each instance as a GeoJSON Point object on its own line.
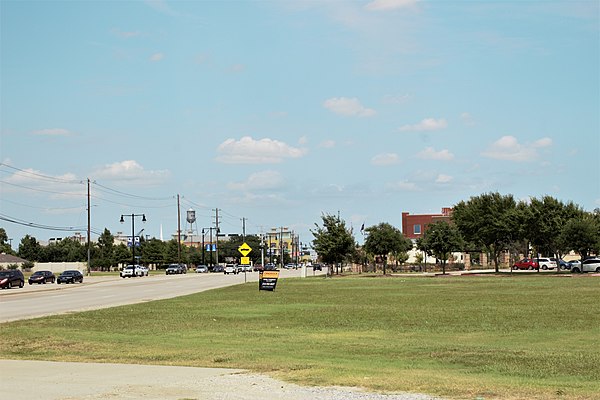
{"type": "Point", "coordinates": [413, 226]}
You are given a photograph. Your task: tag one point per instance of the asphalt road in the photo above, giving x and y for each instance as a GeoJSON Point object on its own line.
{"type": "Point", "coordinates": [102, 292]}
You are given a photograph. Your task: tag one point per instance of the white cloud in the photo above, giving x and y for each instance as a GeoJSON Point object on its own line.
{"type": "Point", "coordinates": [53, 132]}
{"type": "Point", "coordinates": [130, 171]}
{"type": "Point", "coordinates": [430, 154]}
{"type": "Point", "coordinates": [467, 119]}
{"type": "Point", "coordinates": [250, 151]}
{"type": "Point", "coordinates": [157, 57]}
{"type": "Point", "coordinates": [327, 144]}
{"type": "Point", "coordinates": [543, 142]}
{"type": "Point", "coordinates": [403, 186]}
{"type": "Point", "coordinates": [428, 124]}
{"type": "Point", "coordinates": [382, 5]}
{"type": "Point", "coordinates": [263, 180]}
{"type": "Point", "coordinates": [303, 141]}
{"type": "Point", "coordinates": [508, 148]}
{"type": "Point", "coordinates": [385, 159]}
{"type": "Point", "coordinates": [349, 107]}
{"type": "Point", "coordinates": [442, 178]}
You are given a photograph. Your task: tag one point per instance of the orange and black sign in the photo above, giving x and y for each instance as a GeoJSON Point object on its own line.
{"type": "Point", "coordinates": [267, 280]}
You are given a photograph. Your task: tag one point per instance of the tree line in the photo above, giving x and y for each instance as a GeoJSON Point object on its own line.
{"type": "Point", "coordinates": [105, 254]}
{"type": "Point", "coordinates": [490, 223]}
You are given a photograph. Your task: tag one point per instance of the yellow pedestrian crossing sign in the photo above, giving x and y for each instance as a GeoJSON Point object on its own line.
{"type": "Point", "coordinates": [245, 249]}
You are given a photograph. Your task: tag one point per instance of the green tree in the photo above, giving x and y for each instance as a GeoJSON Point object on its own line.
{"type": "Point", "coordinates": [30, 249]}
{"type": "Point", "coordinates": [582, 234]}
{"type": "Point", "coordinates": [545, 219]}
{"type": "Point", "coordinates": [385, 239]}
{"type": "Point", "coordinates": [490, 220]}
{"type": "Point", "coordinates": [104, 258]}
{"type": "Point", "coordinates": [153, 252]}
{"type": "Point", "coordinates": [440, 239]}
{"type": "Point", "coordinates": [5, 243]}
{"type": "Point", "coordinates": [333, 242]}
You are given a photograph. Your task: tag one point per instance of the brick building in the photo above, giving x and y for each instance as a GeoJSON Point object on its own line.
{"type": "Point", "coordinates": [414, 226]}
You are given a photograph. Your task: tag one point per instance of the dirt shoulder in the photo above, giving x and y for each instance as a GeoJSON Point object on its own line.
{"type": "Point", "coordinates": [26, 380]}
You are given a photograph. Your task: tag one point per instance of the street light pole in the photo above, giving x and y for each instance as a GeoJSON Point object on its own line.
{"type": "Point", "coordinates": [133, 234]}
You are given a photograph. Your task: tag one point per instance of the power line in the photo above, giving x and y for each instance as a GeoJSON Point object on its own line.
{"type": "Point", "coordinates": [132, 195]}
{"type": "Point", "coordinates": [47, 227]}
{"type": "Point", "coordinates": [51, 178]}
{"type": "Point", "coordinates": [41, 190]}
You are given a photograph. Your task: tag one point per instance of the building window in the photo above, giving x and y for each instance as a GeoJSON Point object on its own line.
{"type": "Point", "coordinates": [417, 229]}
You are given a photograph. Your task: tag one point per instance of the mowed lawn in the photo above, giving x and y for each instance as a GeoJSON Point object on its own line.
{"type": "Point", "coordinates": [525, 336]}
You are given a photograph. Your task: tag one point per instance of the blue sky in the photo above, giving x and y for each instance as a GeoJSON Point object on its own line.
{"type": "Point", "coordinates": [280, 111]}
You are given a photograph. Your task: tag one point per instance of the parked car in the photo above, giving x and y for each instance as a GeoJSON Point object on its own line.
{"type": "Point", "coordinates": [173, 269]}
{"type": "Point", "coordinates": [133, 270]}
{"type": "Point", "coordinates": [317, 267]}
{"type": "Point", "coordinates": [217, 268]}
{"type": "Point", "coordinates": [574, 263]}
{"type": "Point", "coordinates": [290, 266]}
{"type": "Point", "coordinates": [70, 276]}
{"type": "Point", "coordinates": [526, 263]}
{"type": "Point", "coordinates": [589, 265]}
{"type": "Point", "coordinates": [10, 278]}
{"type": "Point", "coordinates": [546, 263]}
{"type": "Point", "coordinates": [230, 269]}
{"type": "Point", "coordinates": [200, 269]}
{"type": "Point", "coordinates": [562, 264]}
{"type": "Point", "coordinates": [42, 277]}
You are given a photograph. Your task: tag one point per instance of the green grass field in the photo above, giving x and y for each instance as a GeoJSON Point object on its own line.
{"type": "Point", "coordinates": [519, 337]}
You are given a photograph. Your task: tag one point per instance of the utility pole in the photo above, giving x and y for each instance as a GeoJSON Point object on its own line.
{"type": "Point", "coordinates": [281, 246]}
{"type": "Point", "coordinates": [217, 230]}
{"type": "Point", "coordinates": [178, 232]}
{"type": "Point", "coordinates": [243, 229]}
{"type": "Point", "coordinates": [89, 270]}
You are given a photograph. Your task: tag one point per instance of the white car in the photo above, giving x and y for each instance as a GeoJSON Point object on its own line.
{"type": "Point", "coordinates": [130, 271]}
{"type": "Point", "coordinates": [245, 268]}
{"type": "Point", "coordinates": [545, 263]}
{"type": "Point", "coordinates": [230, 269]}
{"type": "Point", "coordinates": [589, 265]}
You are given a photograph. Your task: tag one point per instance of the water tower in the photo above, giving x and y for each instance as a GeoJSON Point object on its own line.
{"type": "Point", "coordinates": [191, 219]}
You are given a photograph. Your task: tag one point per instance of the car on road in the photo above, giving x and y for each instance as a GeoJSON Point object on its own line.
{"type": "Point", "coordinates": [245, 268]}
{"type": "Point", "coordinates": [217, 268]}
{"type": "Point", "coordinates": [526, 263]}
{"type": "Point", "coordinates": [10, 278]}
{"type": "Point", "coordinates": [589, 265]}
{"type": "Point", "coordinates": [546, 263]}
{"type": "Point", "coordinates": [317, 267]}
{"type": "Point", "coordinates": [70, 276]}
{"type": "Point", "coordinates": [270, 267]}
{"type": "Point", "coordinates": [40, 277]}
{"type": "Point", "coordinates": [130, 271]}
{"type": "Point", "coordinates": [290, 266]}
{"type": "Point", "coordinates": [173, 269]}
{"type": "Point", "coordinates": [230, 269]}
{"type": "Point", "coordinates": [200, 269]}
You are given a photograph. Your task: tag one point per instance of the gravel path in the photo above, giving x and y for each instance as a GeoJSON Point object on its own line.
{"type": "Point", "coordinates": [44, 380]}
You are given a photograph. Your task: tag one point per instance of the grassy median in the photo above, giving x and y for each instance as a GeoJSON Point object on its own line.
{"type": "Point", "coordinates": [519, 337]}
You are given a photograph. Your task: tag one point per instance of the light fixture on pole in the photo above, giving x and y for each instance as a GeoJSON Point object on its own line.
{"type": "Point", "coordinates": [133, 234]}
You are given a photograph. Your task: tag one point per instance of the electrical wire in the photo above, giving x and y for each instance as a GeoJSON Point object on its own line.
{"type": "Point", "coordinates": [42, 190]}
{"type": "Point", "coordinates": [51, 178]}
{"type": "Point", "coordinates": [7, 218]}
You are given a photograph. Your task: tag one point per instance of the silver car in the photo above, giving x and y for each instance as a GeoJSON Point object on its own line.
{"type": "Point", "coordinates": [589, 265]}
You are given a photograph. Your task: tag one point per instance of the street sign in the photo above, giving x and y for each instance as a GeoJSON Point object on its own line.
{"type": "Point", "coordinates": [245, 249]}
{"type": "Point", "coordinates": [245, 260]}
{"type": "Point", "coordinates": [267, 280]}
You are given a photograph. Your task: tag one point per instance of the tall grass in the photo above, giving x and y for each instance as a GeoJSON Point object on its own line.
{"type": "Point", "coordinates": [464, 337]}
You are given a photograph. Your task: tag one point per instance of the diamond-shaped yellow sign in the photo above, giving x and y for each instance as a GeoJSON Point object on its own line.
{"type": "Point", "coordinates": [244, 249]}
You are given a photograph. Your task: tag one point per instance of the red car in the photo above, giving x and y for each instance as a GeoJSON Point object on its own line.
{"type": "Point", "coordinates": [526, 263]}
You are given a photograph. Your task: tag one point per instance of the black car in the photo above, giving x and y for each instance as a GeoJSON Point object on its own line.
{"type": "Point", "coordinates": [317, 267]}
{"type": "Point", "coordinates": [10, 278]}
{"type": "Point", "coordinates": [70, 276]}
{"type": "Point", "coordinates": [42, 277]}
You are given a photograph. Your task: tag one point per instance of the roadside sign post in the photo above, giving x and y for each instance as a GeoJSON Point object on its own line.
{"type": "Point", "coordinates": [267, 280]}
{"type": "Point", "coordinates": [244, 249]}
